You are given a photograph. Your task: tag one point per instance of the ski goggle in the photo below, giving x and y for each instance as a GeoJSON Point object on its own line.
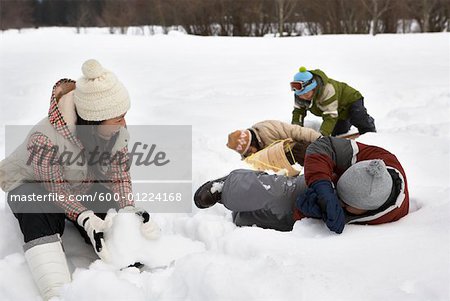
{"type": "Point", "coordinates": [300, 85]}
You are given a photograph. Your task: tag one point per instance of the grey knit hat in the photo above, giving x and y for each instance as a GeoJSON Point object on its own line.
{"type": "Point", "coordinates": [365, 185]}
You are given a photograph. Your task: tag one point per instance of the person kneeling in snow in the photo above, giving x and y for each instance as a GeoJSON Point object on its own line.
{"type": "Point", "coordinates": [339, 105]}
{"type": "Point", "coordinates": [264, 133]}
{"type": "Point", "coordinates": [371, 189]}
{"type": "Point", "coordinates": [86, 119]}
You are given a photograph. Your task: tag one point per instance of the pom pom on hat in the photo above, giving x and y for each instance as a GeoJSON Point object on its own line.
{"type": "Point", "coordinates": [92, 69]}
{"type": "Point", "coordinates": [376, 168]}
{"type": "Point", "coordinates": [99, 95]}
{"type": "Point", "coordinates": [303, 74]}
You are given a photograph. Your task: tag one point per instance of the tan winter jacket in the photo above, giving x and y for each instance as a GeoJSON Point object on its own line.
{"type": "Point", "coordinates": [269, 131]}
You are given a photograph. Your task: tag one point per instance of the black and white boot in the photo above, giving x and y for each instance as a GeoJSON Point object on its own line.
{"type": "Point", "coordinates": [209, 193]}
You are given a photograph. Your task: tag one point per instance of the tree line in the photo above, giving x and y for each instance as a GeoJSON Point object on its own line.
{"type": "Point", "coordinates": [234, 17]}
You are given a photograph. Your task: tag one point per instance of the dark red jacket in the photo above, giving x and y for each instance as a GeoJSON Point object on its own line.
{"type": "Point", "coordinates": [329, 157]}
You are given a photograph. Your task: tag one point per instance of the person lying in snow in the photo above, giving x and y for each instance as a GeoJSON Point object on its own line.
{"type": "Point", "coordinates": [264, 133]}
{"type": "Point", "coordinates": [339, 105]}
{"type": "Point", "coordinates": [344, 182]}
{"type": "Point", "coordinates": [84, 116]}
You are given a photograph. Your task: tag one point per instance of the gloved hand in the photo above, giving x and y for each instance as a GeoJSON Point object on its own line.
{"type": "Point", "coordinates": [95, 227]}
{"type": "Point", "coordinates": [307, 204]}
{"type": "Point", "coordinates": [333, 214]}
{"type": "Point", "coordinates": [149, 229]}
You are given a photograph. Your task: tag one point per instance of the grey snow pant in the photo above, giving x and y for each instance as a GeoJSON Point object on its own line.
{"type": "Point", "coordinates": [257, 198]}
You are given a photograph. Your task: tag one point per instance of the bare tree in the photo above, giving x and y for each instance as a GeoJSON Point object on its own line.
{"type": "Point", "coordinates": [233, 17]}
{"type": "Point", "coordinates": [119, 13]}
{"type": "Point", "coordinates": [376, 9]}
{"type": "Point", "coordinates": [422, 10]}
{"type": "Point", "coordinates": [161, 13]}
{"type": "Point", "coordinates": [262, 17]}
{"type": "Point", "coordinates": [16, 14]}
{"type": "Point", "coordinates": [84, 13]}
{"type": "Point", "coordinates": [439, 19]}
{"type": "Point", "coordinates": [348, 17]}
{"type": "Point", "coordinates": [284, 9]}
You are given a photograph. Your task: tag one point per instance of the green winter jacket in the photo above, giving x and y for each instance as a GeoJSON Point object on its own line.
{"type": "Point", "coordinates": [331, 100]}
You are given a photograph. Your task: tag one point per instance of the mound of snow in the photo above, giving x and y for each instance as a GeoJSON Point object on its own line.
{"type": "Point", "coordinates": [127, 245]}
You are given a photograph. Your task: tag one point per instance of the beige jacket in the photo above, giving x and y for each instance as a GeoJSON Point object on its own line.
{"type": "Point", "coordinates": [269, 131]}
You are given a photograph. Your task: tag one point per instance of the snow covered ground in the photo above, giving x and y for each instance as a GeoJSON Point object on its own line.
{"type": "Point", "coordinates": [220, 84]}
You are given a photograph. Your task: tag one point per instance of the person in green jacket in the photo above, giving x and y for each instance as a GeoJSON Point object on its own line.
{"type": "Point", "coordinates": [339, 105]}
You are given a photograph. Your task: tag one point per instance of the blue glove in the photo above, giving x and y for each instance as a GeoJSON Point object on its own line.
{"type": "Point", "coordinates": [307, 204]}
{"type": "Point", "coordinates": [333, 214]}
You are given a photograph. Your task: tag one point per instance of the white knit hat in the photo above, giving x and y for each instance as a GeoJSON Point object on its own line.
{"type": "Point", "coordinates": [99, 95]}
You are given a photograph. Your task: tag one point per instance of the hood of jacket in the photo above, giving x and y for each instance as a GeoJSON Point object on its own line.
{"type": "Point", "coordinates": [62, 114]}
{"type": "Point", "coordinates": [321, 74]}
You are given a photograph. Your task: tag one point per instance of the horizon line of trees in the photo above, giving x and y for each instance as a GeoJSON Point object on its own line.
{"type": "Point", "coordinates": [234, 17]}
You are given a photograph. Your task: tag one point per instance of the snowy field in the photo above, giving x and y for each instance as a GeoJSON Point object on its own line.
{"type": "Point", "coordinates": [221, 84]}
